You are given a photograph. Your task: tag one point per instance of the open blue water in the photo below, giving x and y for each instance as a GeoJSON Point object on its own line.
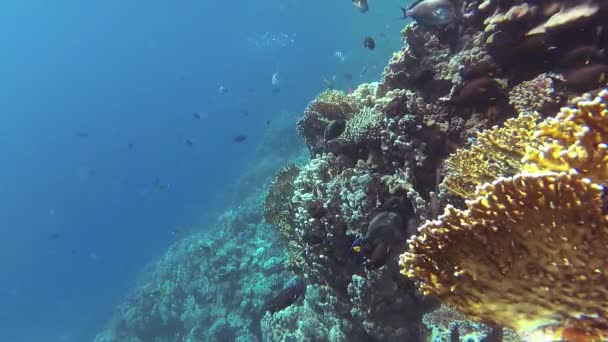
{"type": "Point", "coordinates": [97, 99]}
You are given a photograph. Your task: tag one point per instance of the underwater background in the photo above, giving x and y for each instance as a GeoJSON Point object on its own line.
{"type": "Point", "coordinates": [431, 170]}
{"type": "Point", "coordinates": [98, 100]}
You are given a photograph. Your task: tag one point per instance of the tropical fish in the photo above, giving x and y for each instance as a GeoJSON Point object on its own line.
{"type": "Point", "coordinates": [583, 54]}
{"type": "Point", "coordinates": [431, 12]}
{"type": "Point", "coordinates": [55, 236]}
{"type": "Point", "coordinates": [239, 138]}
{"type": "Point", "coordinates": [480, 91]}
{"type": "Point", "coordinates": [369, 43]}
{"type": "Point", "coordinates": [383, 230]}
{"type": "Point", "coordinates": [587, 77]}
{"type": "Point", "coordinates": [333, 130]}
{"type": "Point", "coordinates": [361, 5]}
{"type": "Point", "coordinates": [340, 56]}
{"type": "Point", "coordinates": [291, 292]}
{"type": "Point", "coordinates": [275, 80]}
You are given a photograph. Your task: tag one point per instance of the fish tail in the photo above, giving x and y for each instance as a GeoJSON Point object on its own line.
{"type": "Point", "coordinates": [404, 13]}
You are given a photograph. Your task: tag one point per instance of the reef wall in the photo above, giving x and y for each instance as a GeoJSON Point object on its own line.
{"type": "Point", "coordinates": [461, 123]}
{"type": "Point", "coordinates": [379, 166]}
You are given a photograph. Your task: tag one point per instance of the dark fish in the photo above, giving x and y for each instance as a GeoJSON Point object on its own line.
{"type": "Point", "coordinates": [479, 91]}
{"type": "Point", "coordinates": [369, 43]}
{"type": "Point", "coordinates": [587, 77]}
{"type": "Point", "coordinates": [334, 129]}
{"type": "Point", "coordinates": [131, 146]}
{"type": "Point", "coordinates": [431, 12]}
{"type": "Point", "coordinates": [188, 142]}
{"type": "Point", "coordinates": [384, 229]}
{"type": "Point", "coordinates": [400, 205]}
{"type": "Point", "coordinates": [239, 138]}
{"type": "Point", "coordinates": [361, 5]}
{"type": "Point", "coordinates": [582, 55]}
{"type": "Point", "coordinates": [55, 236]}
{"type": "Point", "coordinates": [276, 90]}
{"type": "Point", "coordinates": [83, 135]}
{"type": "Point", "coordinates": [159, 185]}
{"type": "Point", "coordinates": [197, 116]}
{"type": "Point", "coordinates": [267, 122]}
{"type": "Point", "coordinates": [291, 292]}
{"type": "Point", "coordinates": [244, 113]}
{"type": "Point", "coordinates": [348, 76]}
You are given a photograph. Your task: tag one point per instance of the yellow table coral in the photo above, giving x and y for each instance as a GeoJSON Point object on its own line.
{"type": "Point", "coordinates": [529, 252]}
{"type": "Point", "coordinates": [575, 139]}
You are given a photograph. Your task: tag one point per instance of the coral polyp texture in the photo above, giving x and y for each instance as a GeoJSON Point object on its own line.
{"type": "Point", "coordinates": [527, 253]}
{"type": "Point", "coordinates": [496, 152]}
{"type": "Point", "coordinates": [576, 138]}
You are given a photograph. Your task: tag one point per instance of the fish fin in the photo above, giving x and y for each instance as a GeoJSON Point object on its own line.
{"type": "Point", "coordinates": [404, 13]}
{"type": "Point", "coordinates": [414, 4]}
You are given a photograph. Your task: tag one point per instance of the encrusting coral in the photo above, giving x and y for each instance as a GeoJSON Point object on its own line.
{"type": "Point", "coordinates": [529, 251]}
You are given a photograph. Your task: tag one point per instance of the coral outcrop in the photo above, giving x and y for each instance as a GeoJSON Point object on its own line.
{"type": "Point", "coordinates": [526, 252]}
{"type": "Point", "coordinates": [521, 243]}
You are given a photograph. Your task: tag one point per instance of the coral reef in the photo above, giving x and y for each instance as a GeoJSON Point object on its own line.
{"type": "Point", "coordinates": [495, 152]}
{"type": "Point", "coordinates": [526, 252]}
{"type": "Point", "coordinates": [575, 139]}
{"type": "Point", "coordinates": [459, 121]}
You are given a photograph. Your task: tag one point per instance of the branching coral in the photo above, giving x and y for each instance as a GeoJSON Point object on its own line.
{"type": "Point", "coordinates": [575, 139]}
{"type": "Point", "coordinates": [496, 152]}
{"type": "Point", "coordinates": [529, 252]}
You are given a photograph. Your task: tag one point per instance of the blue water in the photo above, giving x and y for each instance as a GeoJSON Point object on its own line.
{"type": "Point", "coordinates": [97, 99]}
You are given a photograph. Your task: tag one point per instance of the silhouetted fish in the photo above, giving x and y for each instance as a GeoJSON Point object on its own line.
{"type": "Point", "coordinates": [83, 135]}
{"type": "Point", "coordinates": [369, 43]}
{"type": "Point", "coordinates": [239, 138]}
{"type": "Point", "coordinates": [334, 129]}
{"type": "Point", "coordinates": [55, 236]}
{"type": "Point", "coordinates": [582, 55]}
{"type": "Point", "coordinates": [291, 292]}
{"type": "Point", "coordinates": [188, 142]}
{"type": "Point", "coordinates": [197, 116]}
